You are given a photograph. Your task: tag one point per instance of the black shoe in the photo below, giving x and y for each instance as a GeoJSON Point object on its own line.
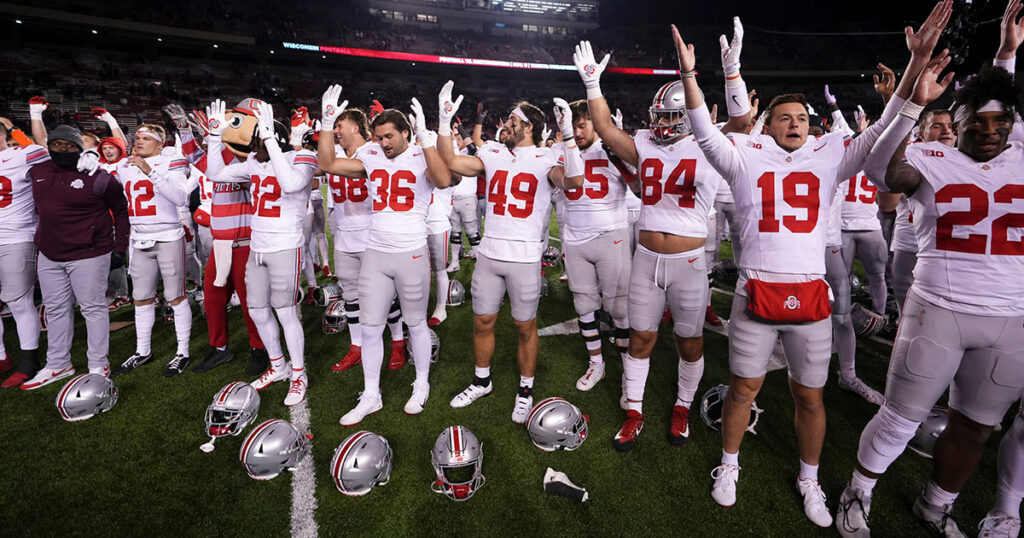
{"type": "Point", "coordinates": [214, 359]}
{"type": "Point", "coordinates": [176, 366]}
{"type": "Point", "coordinates": [259, 361]}
{"type": "Point", "coordinates": [132, 363]}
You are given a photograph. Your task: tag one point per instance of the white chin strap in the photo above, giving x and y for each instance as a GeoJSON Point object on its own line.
{"type": "Point", "coordinates": [991, 106]}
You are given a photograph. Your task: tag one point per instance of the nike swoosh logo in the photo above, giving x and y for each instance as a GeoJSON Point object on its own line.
{"type": "Point", "coordinates": [5, 160]}
{"type": "Point", "coordinates": [735, 100]}
{"type": "Point", "coordinates": [819, 147]}
{"type": "Point", "coordinates": [417, 257]}
{"type": "Point", "coordinates": [835, 251]}
{"type": "Point", "coordinates": [691, 260]}
{"type": "Point", "coordinates": [616, 242]}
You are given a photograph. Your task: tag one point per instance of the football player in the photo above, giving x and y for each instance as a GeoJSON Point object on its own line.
{"type": "Point", "coordinates": [966, 200]}
{"type": "Point", "coordinates": [520, 181]}
{"type": "Point", "coordinates": [280, 185]}
{"type": "Point", "coordinates": [464, 215]}
{"type": "Point", "coordinates": [669, 267]}
{"type": "Point", "coordinates": [439, 228]}
{"type": "Point", "coordinates": [783, 184]}
{"type": "Point", "coordinates": [401, 178]}
{"type": "Point", "coordinates": [156, 187]}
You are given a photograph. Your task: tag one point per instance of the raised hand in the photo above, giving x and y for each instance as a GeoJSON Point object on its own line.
{"type": "Point", "coordinates": [731, 50]}
{"type": "Point", "coordinates": [617, 118]}
{"type": "Point", "coordinates": [1011, 31]}
{"type": "Point", "coordinates": [177, 115]}
{"type": "Point", "coordinates": [199, 121]}
{"type": "Point", "coordinates": [217, 121]}
{"type": "Point", "coordinates": [545, 133]}
{"type": "Point", "coordinates": [481, 113]}
{"type": "Point", "coordinates": [687, 59]}
{"type": "Point", "coordinates": [36, 106]}
{"type": "Point", "coordinates": [447, 107]}
{"type": "Point", "coordinates": [89, 161]}
{"type": "Point", "coordinates": [329, 107]}
{"type": "Point", "coordinates": [589, 68]}
{"type": "Point", "coordinates": [563, 117]}
{"type": "Point", "coordinates": [921, 43]}
{"type": "Point", "coordinates": [885, 82]}
{"type": "Point", "coordinates": [929, 86]}
{"type": "Point", "coordinates": [375, 108]}
{"type": "Point", "coordinates": [264, 120]}
{"type": "Point", "coordinates": [861, 118]}
{"type": "Point", "coordinates": [830, 98]}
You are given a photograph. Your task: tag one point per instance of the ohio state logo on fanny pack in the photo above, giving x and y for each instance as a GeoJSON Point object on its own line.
{"type": "Point", "coordinates": [792, 303]}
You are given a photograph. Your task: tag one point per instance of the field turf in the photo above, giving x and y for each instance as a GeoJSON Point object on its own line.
{"type": "Point", "coordinates": [138, 471]}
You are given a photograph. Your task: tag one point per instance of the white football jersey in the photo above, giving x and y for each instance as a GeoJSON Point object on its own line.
{"type": "Point", "coordinates": [350, 198]}
{"type": "Point", "coordinates": [835, 216]}
{"type": "Point", "coordinates": [518, 201]}
{"type": "Point", "coordinates": [969, 218]}
{"type": "Point", "coordinates": [860, 206]}
{"type": "Point", "coordinates": [439, 210]}
{"type": "Point", "coordinates": [724, 194]}
{"type": "Point", "coordinates": [17, 205]}
{"type": "Point", "coordinates": [677, 186]}
{"type": "Point", "coordinates": [400, 193]}
{"type": "Point", "coordinates": [467, 188]}
{"type": "Point", "coordinates": [904, 238]}
{"type": "Point", "coordinates": [155, 211]}
{"type": "Point", "coordinates": [276, 215]}
{"type": "Point", "coordinates": [600, 204]}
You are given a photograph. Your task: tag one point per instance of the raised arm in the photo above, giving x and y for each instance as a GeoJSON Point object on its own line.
{"type": "Point", "coordinates": [461, 165]}
{"type": "Point", "coordinates": [36, 106]}
{"type": "Point", "coordinates": [1010, 38]}
{"type": "Point", "coordinates": [569, 176]}
{"type": "Point", "coordinates": [291, 178]}
{"type": "Point", "coordinates": [189, 147]}
{"type": "Point", "coordinates": [216, 170]}
{"type": "Point", "coordinates": [838, 121]}
{"type": "Point", "coordinates": [326, 157]}
{"type": "Point", "coordinates": [590, 71]}
{"type": "Point", "coordinates": [108, 118]}
{"type": "Point", "coordinates": [438, 173]}
{"type": "Point", "coordinates": [478, 125]}
{"type": "Point", "coordinates": [737, 101]}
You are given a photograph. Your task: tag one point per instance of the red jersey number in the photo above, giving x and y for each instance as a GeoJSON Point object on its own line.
{"type": "Point", "coordinates": [6, 191]}
{"type": "Point", "coordinates": [595, 185]}
{"type": "Point", "coordinates": [351, 189]}
{"type": "Point", "coordinates": [265, 193]}
{"type": "Point", "coordinates": [522, 189]}
{"type": "Point", "coordinates": [977, 211]}
{"type": "Point", "coordinates": [870, 192]}
{"type": "Point", "coordinates": [140, 193]}
{"type": "Point", "coordinates": [394, 190]}
{"type": "Point", "coordinates": [792, 197]}
{"type": "Point", "coordinates": [651, 171]}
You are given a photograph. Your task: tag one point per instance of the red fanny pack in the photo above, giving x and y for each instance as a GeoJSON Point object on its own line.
{"type": "Point", "coordinates": [788, 302]}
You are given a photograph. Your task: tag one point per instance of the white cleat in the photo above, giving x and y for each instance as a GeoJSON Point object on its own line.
{"type": "Point", "coordinates": [999, 525]}
{"type": "Point", "coordinates": [297, 391]}
{"type": "Point", "coordinates": [46, 376]}
{"type": "Point", "coordinates": [852, 514]}
{"type": "Point", "coordinates": [521, 409]}
{"type": "Point", "coordinates": [724, 489]}
{"type": "Point", "coordinates": [418, 399]}
{"type": "Point", "coordinates": [472, 393]}
{"type": "Point", "coordinates": [814, 502]}
{"type": "Point", "coordinates": [271, 376]}
{"type": "Point", "coordinates": [453, 267]}
{"type": "Point", "coordinates": [938, 519]}
{"type": "Point", "coordinates": [857, 386]}
{"type": "Point", "coordinates": [595, 373]}
{"type": "Point", "coordinates": [564, 277]}
{"type": "Point", "coordinates": [101, 370]}
{"type": "Point", "coordinates": [367, 405]}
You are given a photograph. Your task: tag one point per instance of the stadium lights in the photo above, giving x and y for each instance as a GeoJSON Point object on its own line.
{"type": "Point", "coordinates": [215, 46]}
{"type": "Point", "coordinates": [94, 32]}
{"type": "Point", "coordinates": [17, 21]}
{"type": "Point", "coordinates": [160, 39]}
{"type": "Point", "coordinates": [271, 51]}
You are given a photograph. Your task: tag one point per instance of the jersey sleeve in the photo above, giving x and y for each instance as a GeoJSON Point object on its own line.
{"type": "Point", "coordinates": [35, 155]}
{"type": "Point", "coordinates": [722, 152]}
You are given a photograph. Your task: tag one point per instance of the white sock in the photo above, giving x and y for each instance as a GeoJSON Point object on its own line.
{"type": "Point", "coordinates": [26, 319]}
{"type": "Point", "coordinates": [483, 372]}
{"type": "Point", "coordinates": [419, 343]}
{"type": "Point", "coordinates": [689, 378]}
{"type": "Point", "coordinates": [730, 459]}
{"type": "Point", "coordinates": [355, 330]}
{"type": "Point", "coordinates": [297, 373]}
{"type": "Point", "coordinates": [395, 322]}
{"type": "Point", "coordinates": [442, 289]}
{"type": "Point", "coordinates": [937, 496]}
{"type": "Point", "coordinates": [269, 333]}
{"type": "Point", "coordinates": [183, 325]}
{"type": "Point", "coordinates": [526, 381]}
{"type": "Point", "coordinates": [808, 471]}
{"type": "Point", "coordinates": [373, 358]}
{"type": "Point", "coordinates": [456, 247]}
{"type": "Point", "coordinates": [145, 318]}
{"type": "Point", "coordinates": [863, 483]}
{"type": "Point", "coordinates": [635, 372]}
{"type": "Point", "coordinates": [294, 337]}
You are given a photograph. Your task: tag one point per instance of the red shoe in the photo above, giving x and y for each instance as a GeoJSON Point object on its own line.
{"type": "Point", "coordinates": [679, 429]}
{"type": "Point", "coordinates": [327, 272]}
{"type": "Point", "coordinates": [626, 438]}
{"type": "Point", "coordinates": [309, 295]}
{"type": "Point", "coordinates": [317, 268]}
{"type": "Point", "coordinates": [117, 303]}
{"type": "Point", "coordinates": [397, 355]}
{"type": "Point", "coordinates": [6, 364]}
{"type": "Point", "coordinates": [352, 358]}
{"type": "Point", "coordinates": [16, 379]}
{"type": "Point", "coordinates": [667, 316]}
{"type": "Point", "coordinates": [711, 320]}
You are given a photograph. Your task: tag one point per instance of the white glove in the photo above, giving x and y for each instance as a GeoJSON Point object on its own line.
{"type": "Point", "coordinates": [265, 120]}
{"type": "Point", "coordinates": [447, 109]}
{"type": "Point", "coordinates": [563, 118]}
{"type": "Point", "coordinates": [590, 70]}
{"type": "Point", "coordinates": [36, 107]}
{"type": "Point", "coordinates": [330, 109]}
{"type": "Point", "coordinates": [545, 133]}
{"type": "Point", "coordinates": [731, 51]}
{"type": "Point", "coordinates": [810, 110]}
{"type": "Point", "coordinates": [419, 125]}
{"type": "Point", "coordinates": [89, 161]}
{"type": "Point", "coordinates": [217, 122]}
{"type": "Point", "coordinates": [858, 115]}
{"type": "Point", "coordinates": [617, 118]}
{"type": "Point", "coordinates": [830, 98]}
{"type": "Point", "coordinates": [298, 131]}
{"type": "Point", "coordinates": [177, 115]}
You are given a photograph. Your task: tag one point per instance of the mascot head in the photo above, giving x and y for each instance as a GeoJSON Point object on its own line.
{"type": "Point", "coordinates": [240, 136]}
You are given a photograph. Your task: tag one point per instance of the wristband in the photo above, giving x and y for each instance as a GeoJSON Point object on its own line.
{"type": "Point", "coordinates": [444, 128]}
{"type": "Point", "coordinates": [911, 110]}
{"type": "Point", "coordinates": [594, 92]}
{"type": "Point", "coordinates": [573, 161]}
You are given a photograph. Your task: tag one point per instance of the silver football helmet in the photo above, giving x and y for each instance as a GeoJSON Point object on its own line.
{"type": "Point", "coordinates": [326, 293]}
{"type": "Point", "coordinates": [458, 458]}
{"type": "Point", "coordinates": [929, 431]}
{"type": "Point", "coordinates": [361, 461]}
{"type": "Point", "coordinates": [334, 317]}
{"type": "Point", "coordinates": [85, 396]}
{"type": "Point", "coordinates": [865, 322]}
{"type": "Point", "coordinates": [551, 257]}
{"type": "Point", "coordinates": [711, 409]}
{"type": "Point", "coordinates": [668, 116]}
{"type": "Point", "coordinates": [456, 293]}
{"type": "Point", "coordinates": [555, 423]}
{"type": "Point", "coordinates": [273, 447]}
{"type": "Point", "coordinates": [233, 409]}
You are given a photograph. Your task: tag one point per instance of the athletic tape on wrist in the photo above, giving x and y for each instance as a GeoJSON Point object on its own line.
{"type": "Point", "coordinates": [911, 110]}
{"type": "Point", "coordinates": [573, 161]}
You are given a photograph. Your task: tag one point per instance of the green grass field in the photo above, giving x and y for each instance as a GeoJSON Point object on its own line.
{"type": "Point", "coordinates": [138, 470]}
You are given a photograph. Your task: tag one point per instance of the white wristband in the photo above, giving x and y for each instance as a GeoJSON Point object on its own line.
{"type": "Point", "coordinates": [593, 92]}
{"type": "Point", "coordinates": [911, 110]}
{"type": "Point", "coordinates": [427, 139]}
{"type": "Point", "coordinates": [736, 100]}
{"type": "Point", "coordinates": [573, 161]}
{"type": "Point", "coordinates": [444, 127]}
{"type": "Point", "coordinates": [1008, 65]}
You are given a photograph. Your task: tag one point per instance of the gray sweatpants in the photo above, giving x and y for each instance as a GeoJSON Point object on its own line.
{"type": "Point", "coordinates": [61, 283]}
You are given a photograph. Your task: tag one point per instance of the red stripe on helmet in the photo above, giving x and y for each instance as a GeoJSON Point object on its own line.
{"type": "Point", "coordinates": [252, 437]}
{"type": "Point", "coordinates": [336, 464]}
{"type": "Point", "coordinates": [456, 439]}
{"type": "Point", "coordinates": [225, 391]}
{"type": "Point", "coordinates": [63, 395]}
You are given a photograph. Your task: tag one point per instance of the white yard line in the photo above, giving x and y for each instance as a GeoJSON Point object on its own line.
{"type": "Point", "coordinates": [303, 482]}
